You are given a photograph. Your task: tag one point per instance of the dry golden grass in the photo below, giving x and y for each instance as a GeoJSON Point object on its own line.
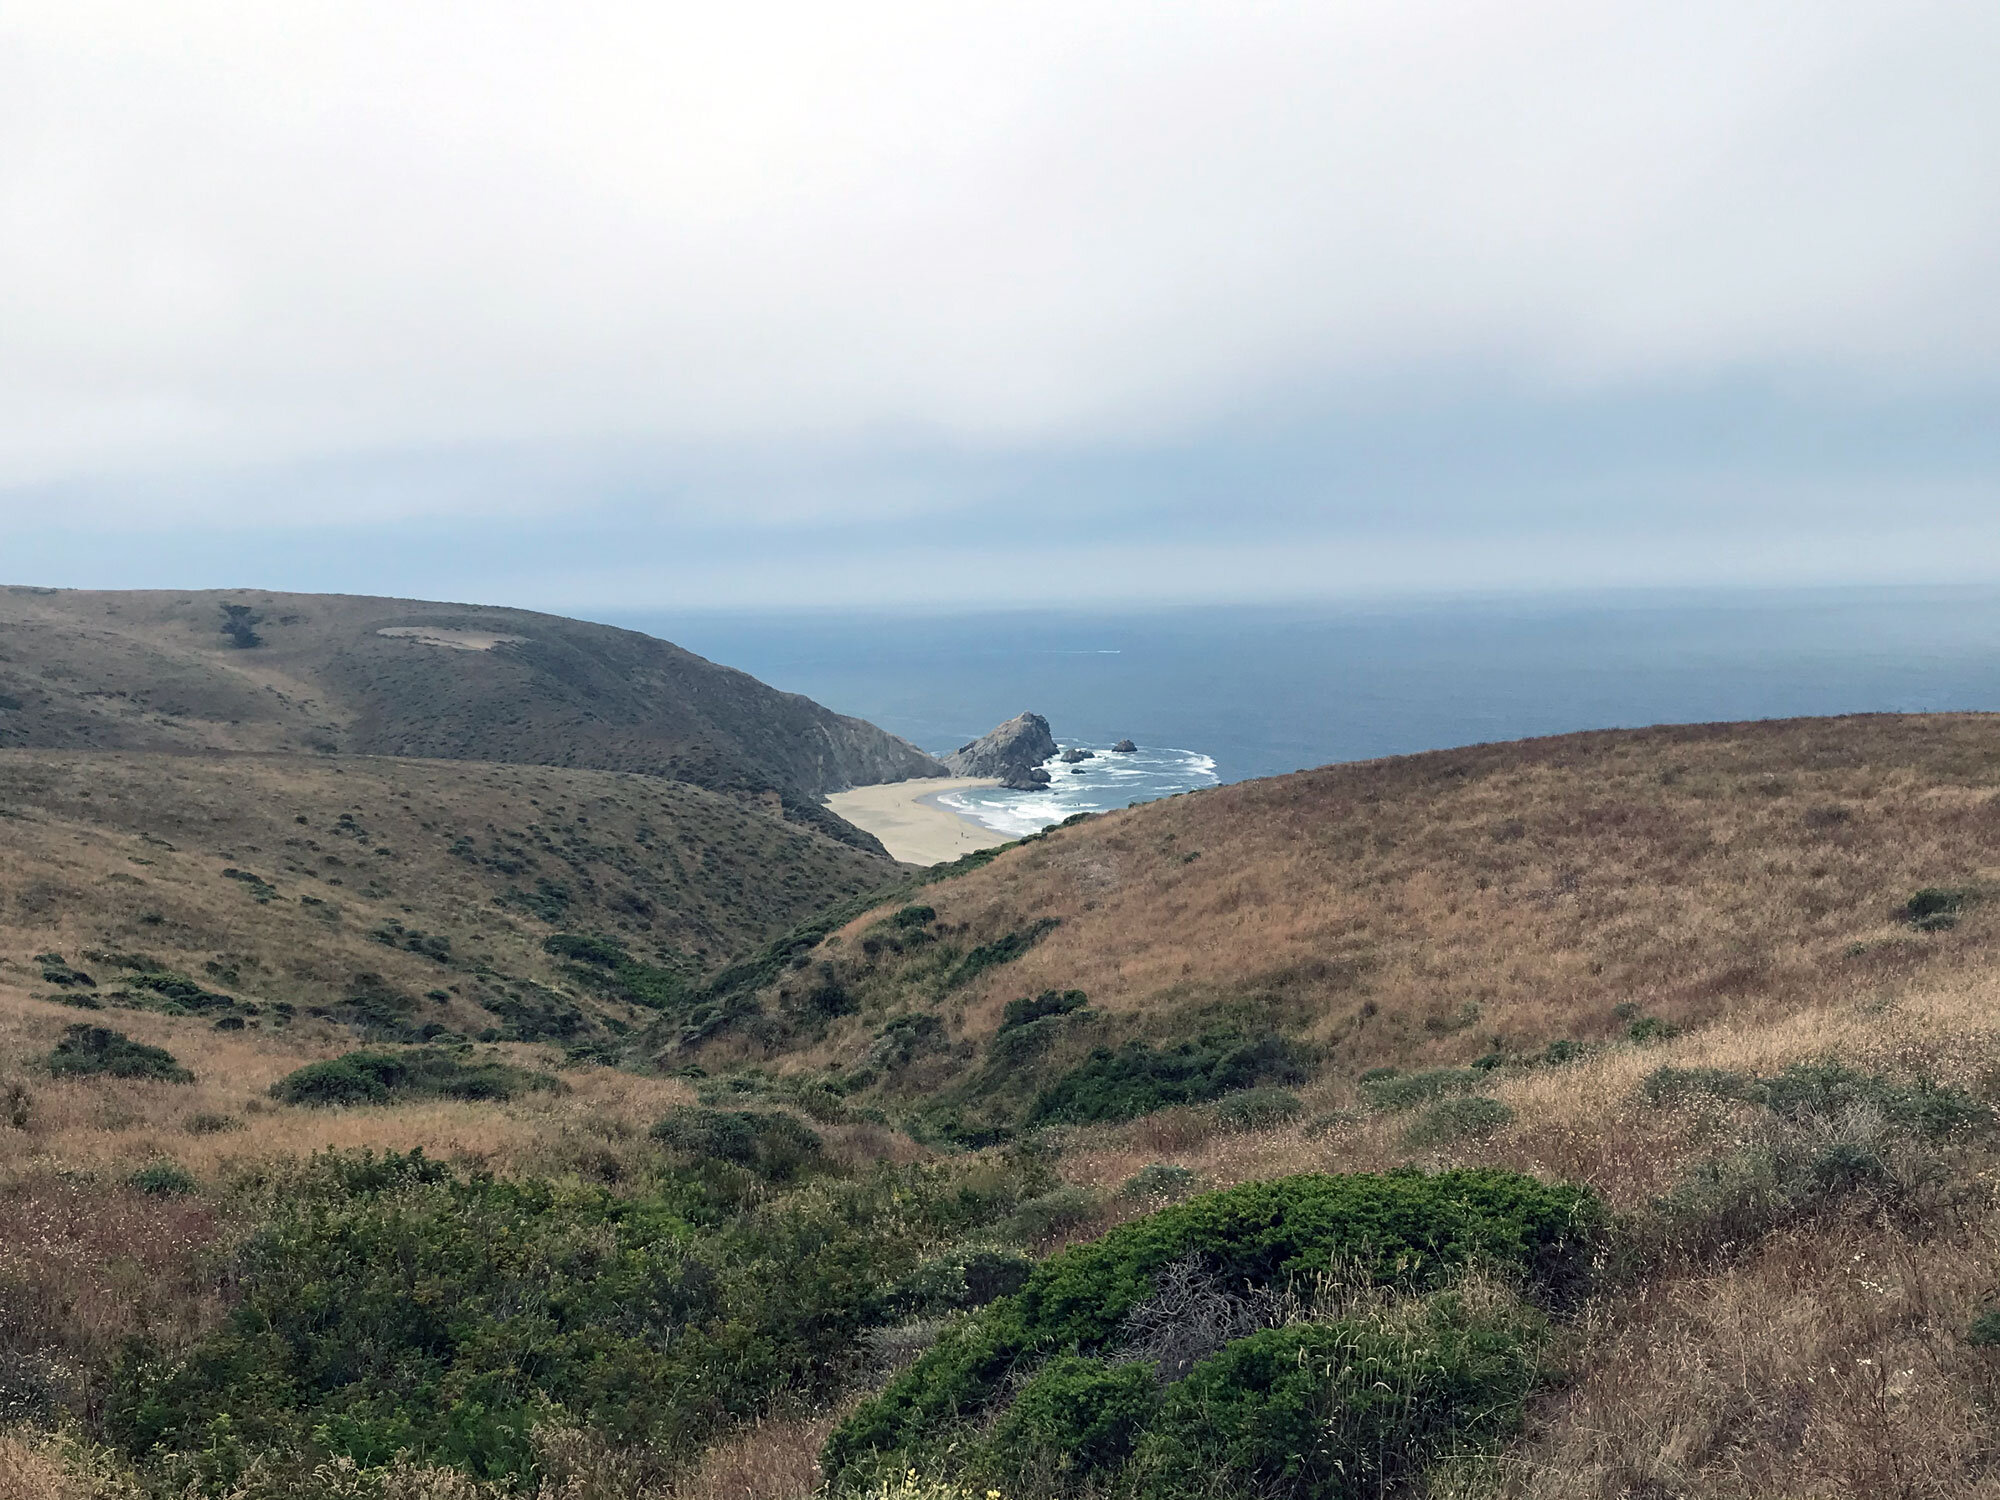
{"type": "Point", "coordinates": [1433, 907]}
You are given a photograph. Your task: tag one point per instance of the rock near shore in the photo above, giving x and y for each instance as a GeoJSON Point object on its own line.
{"type": "Point", "coordinates": [1013, 752]}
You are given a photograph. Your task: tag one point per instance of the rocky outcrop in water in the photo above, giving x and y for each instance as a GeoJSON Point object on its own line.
{"type": "Point", "coordinates": [1072, 755]}
{"type": "Point", "coordinates": [1013, 752]}
{"type": "Point", "coordinates": [1123, 747]}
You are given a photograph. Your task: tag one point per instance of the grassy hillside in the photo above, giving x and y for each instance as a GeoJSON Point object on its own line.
{"type": "Point", "coordinates": [311, 673]}
{"type": "Point", "coordinates": [1081, 1172]}
{"type": "Point", "coordinates": [409, 892]}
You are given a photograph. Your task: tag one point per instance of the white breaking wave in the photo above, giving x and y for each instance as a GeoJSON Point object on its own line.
{"type": "Point", "coordinates": [1109, 780]}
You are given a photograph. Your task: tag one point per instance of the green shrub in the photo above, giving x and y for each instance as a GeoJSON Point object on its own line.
{"type": "Point", "coordinates": [603, 963]}
{"type": "Point", "coordinates": [775, 1146]}
{"type": "Point", "coordinates": [1405, 1229]}
{"type": "Point", "coordinates": [1160, 1180]}
{"type": "Point", "coordinates": [1828, 1087]}
{"type": "Point", "coordinates": [98, 1051]}
{"type": "Point", "coordinates": [1040, 1007]}
{"type": "Point", "coordinates": [1985, 1329]}
{"type": "Point", "coordinates": [391, 1077]}
{"type": "Point", "coordinates": [1463, 1117]}
{"type": "Point", "coordinates": [1386, 1089]}
{"type": "Point", "coordinates": [909, 918]}
{"type": "Point", "coordinates": [1078, 1418]}
{"type": "Point", "coordinates": [1651, 1029]}
{"type": "Point", "coordinates": [1259, 1109]}
{"type": "Point", "coordinates": [393, 1305]}
{"type": "Point", "coordinates": [1339, 1411]}
{"type": "Point", "coordinates": [163, 1179]}
{"type": "Point", "coordinates": [1042, 1218]}
{"type": "Point", "coordinates": [1138, 1079]}
{"type": "Point", "coordinates": [1002, 950]}
{"type": "Point", "coordinates": [1935, 908]}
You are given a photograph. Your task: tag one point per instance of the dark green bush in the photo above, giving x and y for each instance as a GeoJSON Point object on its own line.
{"type": "Point", "coordinates": [1049, 1214]}
{"type": "Point", "coordinates": [1002, 950]}
{"type": "Point", "coordinates": [98, 1051]}
{"type": "Point", "coordinates": [1935, 908]}
{"type": "Point", "coordinates": [775, 1146]}
{"type": "Point", "coordinates": [389, 1077]}
{"type": "Point", "coordinates": [392, 1304]}
{"type": "Point", "coordinates": [1464, 1117]}
{"type": "Point", "coordinates": [163, 1179]}
{"type": "Point", "coordinates": [604, 963]}
{"type": "Point", "coordinates": [1339, 1411]}
{"type": "Point", "coordinates": [1985, 1329]}
{"type": "Point", "coordinates": [1405, 1229]}
{"type": "Point", "coordinates": [1138, 1079]}
{"type": "Point", "coordinates": [1077, 1418]}
{"type": "Point", "coordinates": [1387, 1089]}
{"type": "Point", "coordinates": [1259, 1109]}
{"type": "Point", "coordinates": [1827, 1087]}
{"type": "Point", "coordinates": [911, 917]}
{"type": "Point", "coordinates": [1040, 1007]}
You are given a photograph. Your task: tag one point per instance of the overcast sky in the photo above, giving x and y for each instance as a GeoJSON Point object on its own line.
{"type": "Point", "coordinates": [626, 305]}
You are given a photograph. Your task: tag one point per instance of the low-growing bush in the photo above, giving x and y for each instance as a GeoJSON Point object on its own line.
{"type": "Point", "coordinates": [1040, 1007]}
{"type": "Point", "coordinates": [1348, 1410]}
{"type": "Point", "coordinates": [1259, 1109]}
{"type": "Point", "coordinates": [100, 1052]}
{"type": "Point", "coordinates": [1936, 908]}
{"type": "Point", "coordinates": [1002, 950]}
{"type": "Point", "coordinates": [1826, 1088]}
{"type": "Point", "coordinates": [163, 1179]}
{"type": "Point", "coordinates": [1665, 1086]}
{"type": "Point", "coordinates": [1042, 1218]}
{"type": "Point", "coordinates": [394, 1305]}
{"type": "Point", "coordinates": [1077, 1419]}
{"type": "Point", "coordinates": [391, 1077]}
{"type": "Point", "coordinates": [1138, 1079]}
{"type": "Point", "coordinates": [775, 1146]}
{"type": "Point", "coordinates": [1406, 1230]}
{"type": "Point", "coordinates": [1388, 1090]}
{"type": "Point", "coordinates": [1460, 1118]}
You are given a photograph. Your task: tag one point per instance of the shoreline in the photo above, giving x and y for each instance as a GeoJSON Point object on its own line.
{"type": "Point", "coordinates": [906, 817]}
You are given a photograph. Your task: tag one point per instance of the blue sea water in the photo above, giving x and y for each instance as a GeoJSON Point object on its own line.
{"type": "Point", "coordinates": [1225, 693]}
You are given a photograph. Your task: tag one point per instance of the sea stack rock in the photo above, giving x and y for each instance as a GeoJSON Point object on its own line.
{"type": "Point", "coordinates": [1072, 755]}
{"type": "Point", "coordinates": [1014, 753]}
{"type": "Point", "coordinates": [1124, 747]}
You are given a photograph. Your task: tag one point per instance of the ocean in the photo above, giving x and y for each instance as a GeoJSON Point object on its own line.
{"type": "Point", "coordinates": [1224, 693]}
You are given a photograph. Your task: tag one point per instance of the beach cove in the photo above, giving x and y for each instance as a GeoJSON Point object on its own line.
{"type": "Point", "coordinates": [907, 818]}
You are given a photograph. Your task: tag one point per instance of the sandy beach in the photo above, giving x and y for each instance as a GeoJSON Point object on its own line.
{"type": "Point", "coordinates": [905, 816]}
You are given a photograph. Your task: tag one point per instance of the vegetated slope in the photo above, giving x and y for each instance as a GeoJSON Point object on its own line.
{"type": "Point", "coordinates": [252, 670]}
{"type": "Point", "coordinates": [1438, 908]}
{"type": "Point", "coordinates": [347, 885]}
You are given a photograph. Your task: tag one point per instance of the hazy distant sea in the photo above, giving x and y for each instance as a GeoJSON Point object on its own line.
{"type": "Point", "coordinates": [1227, 693]}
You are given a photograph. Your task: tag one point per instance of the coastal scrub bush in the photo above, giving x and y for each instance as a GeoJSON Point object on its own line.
{"type": "Point", "coordinates": [1002, 950]}
{"type": "Point", "coordinates": [392, 1077]}
{"type": "Point", "coordinates": [163, 1179]}
{"type": "Point", "coordinates": [100, 1052]}
{"type": "Point", "coordinates": [775, 1146]}
{"type": "Point", "coordinates": [393, 1304]}
{"type": "Point", "coordinates": [1405, 1230]}
{"type": "Point", "coordinates": [1461, 1117]}
{"type": "Point", "coordinates": [1259, 1109]}
{"type": "Point", "coordinates": [1341, 1410]}
{"type": "Point", "coordinates": [1388, 1090]}
{"type": "Point", "coordinates": [1138, 1079]}
{"type": "Point", "coordinates": [1936, 908]}
{"type": "Point", "coordinates": [1078, 1417]}
{"type": "Point", "coordinates": [1824, 1089]}
{"type": "Point", "coordinates": [1040, 1007]}
{"type": "Point", "coordinates": [605, 965]}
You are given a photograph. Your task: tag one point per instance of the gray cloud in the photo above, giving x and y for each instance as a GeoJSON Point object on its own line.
{"type": "Point", "coordinates": [743, 278]}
